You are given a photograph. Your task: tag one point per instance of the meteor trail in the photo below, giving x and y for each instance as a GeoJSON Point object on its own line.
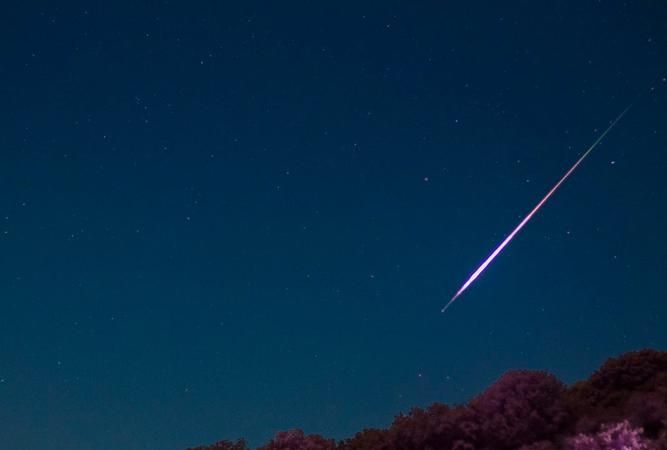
{"type": "Point", "coordinates": [507, 240]}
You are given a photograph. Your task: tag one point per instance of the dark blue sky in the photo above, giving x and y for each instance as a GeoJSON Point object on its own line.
{"type": "Point", "coordinates": [220, 221]}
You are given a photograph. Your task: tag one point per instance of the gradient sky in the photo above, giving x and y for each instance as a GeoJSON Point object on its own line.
{"type": "Point", "coordinates": [225, 219]}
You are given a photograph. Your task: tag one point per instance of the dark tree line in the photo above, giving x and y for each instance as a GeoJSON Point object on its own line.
{"type": "Point", "coordinates": [622, 406]}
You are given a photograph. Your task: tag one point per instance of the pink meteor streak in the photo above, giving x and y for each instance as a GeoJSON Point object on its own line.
{"type": "Point", "coordinates": [507, 240]}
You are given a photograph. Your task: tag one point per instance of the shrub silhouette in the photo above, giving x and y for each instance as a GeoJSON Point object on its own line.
{"type": "Point", "coordinates": [298, 440]}
{"type": "Point", "coordinates": [520, 408]}
{"type": "Point", "coordinates": [632, 386]}
{"type": "Point", "coordinates": [622, 406]}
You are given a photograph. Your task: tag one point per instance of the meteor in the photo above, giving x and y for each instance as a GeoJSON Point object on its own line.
{"type": "Point", "coordinates": [507, 240]}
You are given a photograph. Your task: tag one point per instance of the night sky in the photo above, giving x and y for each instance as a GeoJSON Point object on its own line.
{"type": "Point", "coordinates": [226, 219]}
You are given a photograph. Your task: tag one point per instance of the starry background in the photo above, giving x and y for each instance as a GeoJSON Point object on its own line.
{"type": "Point", "coordinates": [225, 219]}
